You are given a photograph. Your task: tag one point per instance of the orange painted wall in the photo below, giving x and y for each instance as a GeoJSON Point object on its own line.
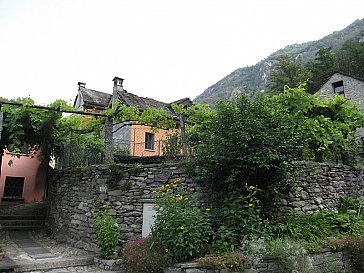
{"type": "Point", "coordinates": [32, 169]}
{"type": "Point", "coordinates": [137, 140]}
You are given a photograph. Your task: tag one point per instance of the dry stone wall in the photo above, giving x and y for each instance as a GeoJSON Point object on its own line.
{"type": "Point", "coordinates": [74, 193]}
{"type": "Point", "coordinates": [322, 185]}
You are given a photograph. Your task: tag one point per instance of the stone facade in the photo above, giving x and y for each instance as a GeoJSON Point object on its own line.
{"type": "Point", "coordinates": [353, 88]}
{"type": "Point", "coordinates": [75, 193]}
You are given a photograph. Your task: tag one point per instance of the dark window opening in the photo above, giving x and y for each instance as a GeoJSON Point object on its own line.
{"type": "Point", "coordinates": [14, 188]}
{"type": "Point", "coordinates": [339, 88]}
{"type": "Point", "coordinates": [149, 141]}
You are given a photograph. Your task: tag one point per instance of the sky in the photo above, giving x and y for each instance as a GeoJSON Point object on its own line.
{"type": "Point", "coordinates": [163, 49]}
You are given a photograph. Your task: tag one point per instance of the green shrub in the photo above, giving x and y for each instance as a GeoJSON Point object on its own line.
{"type": "Point", "coordinates": [290, 255]}
{"type": "Point", "coordinates": [237, 216]}
{"type": "Point", "coordinates": [181, 228]}
{"type": "Point", "coordinates": [320, 225]}
{"type": "Point", "coordinates": [141, 256]}
{"type": "Point", "coordinates": [349, 204]}
{"type": "Point", "coordinates": [107, 233]}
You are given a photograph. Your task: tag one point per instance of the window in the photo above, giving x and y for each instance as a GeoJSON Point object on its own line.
{"type": "Point", "coordinates": [339, 88]}
{"type": "Point", "coordinates": [149, 141]}
{"type": "Point", "coordinates": [13, 188]}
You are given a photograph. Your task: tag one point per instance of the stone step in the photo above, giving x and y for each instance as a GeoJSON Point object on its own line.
{"type": "Point", "coordinates": [22, 217]}
{"type": "Point", "coordinates": [21, 222]}
{"type": "Point", "coordinates": [23, 228]}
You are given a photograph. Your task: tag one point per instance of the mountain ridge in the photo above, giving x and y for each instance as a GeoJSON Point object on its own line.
{"type": "Point", "coordinates": [256, 77]}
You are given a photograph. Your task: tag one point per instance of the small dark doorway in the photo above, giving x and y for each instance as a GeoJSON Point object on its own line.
{"type": "Point", "coordinates": [13, 188]}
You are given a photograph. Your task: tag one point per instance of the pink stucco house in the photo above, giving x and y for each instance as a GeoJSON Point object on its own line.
{"type": "Point", "coordinates": [24, 180]}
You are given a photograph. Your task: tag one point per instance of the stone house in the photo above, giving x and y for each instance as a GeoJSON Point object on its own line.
{"type": "Point", "coordinates": [129, 139]}
{"type": "Point", "coordinates": [350, 87]}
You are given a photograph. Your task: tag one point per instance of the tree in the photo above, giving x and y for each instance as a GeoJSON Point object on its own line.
{"type": "Point", "coordinates": [350, 58]}
{"type": "Point", "coordinates": [321, 68]}
{"type": "Point", "coordinates": [247, 142]}
{"type": "Point", "coordinates": [288, 72]}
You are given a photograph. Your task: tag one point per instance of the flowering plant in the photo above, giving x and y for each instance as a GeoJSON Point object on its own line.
{"type": "Point", "coordinates": [142, 256]}
{"type": "Point", "coordinates": [181, 227]}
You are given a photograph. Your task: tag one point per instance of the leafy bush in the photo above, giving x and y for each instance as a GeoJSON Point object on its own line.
{"type": "Point", "coordinates": [351, 204]}
{"type": "Point", "coordinates": [237, 217]}
{"type": "Point", "coordinates": [107, 233]}
{"type": "Point", "coordinates": [180, 227]}
{"type": "Point", "coordinates": [290, 255]}
{"type": "Point", "coordinates": [320, 225]}
{"type": "Point", "coordinates": [141, 256]}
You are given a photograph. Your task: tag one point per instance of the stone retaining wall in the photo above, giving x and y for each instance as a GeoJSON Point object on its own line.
{"type": "Point", "coordinates": [74, 193]}
{"type": "Point", "coordinates": [322, 185]}
{"type": "Point", "coordinates": [326, 261]}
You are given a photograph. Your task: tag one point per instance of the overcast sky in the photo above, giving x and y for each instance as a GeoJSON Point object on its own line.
{"type": "Point", "coordinates": [164, 49]}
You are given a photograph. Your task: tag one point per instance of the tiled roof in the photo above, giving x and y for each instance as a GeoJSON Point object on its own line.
{"type": "Point", "coordinates": [95, 98]}
{"type": "Point", "coordinates": [142, 103]}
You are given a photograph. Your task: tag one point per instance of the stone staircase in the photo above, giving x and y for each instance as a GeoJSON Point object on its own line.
{"type": "Point", "coordinates": [21, 216]}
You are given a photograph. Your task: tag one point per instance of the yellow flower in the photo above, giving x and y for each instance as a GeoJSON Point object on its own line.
{"type": "Point", "coordinates": [186, 198]}
{"type": "Point", "coordinates": [207, 209]}
{"type": "Point", "coordinates": [167, 185]}
{"type": "Point", "coordinates": [156, 207]}
{"type": "Point", "coordinates": [180, 198]}
{"type": "Point", "coordinates": [251, 187]}
{"type": "Point", "coordinates": [162, 187]}
{"type": "Point", "coordinates": [250, 205]}
{"type": "Point", "coordinates": [166, 250]}
{"type": "Point", "coordinates": [181, 227]}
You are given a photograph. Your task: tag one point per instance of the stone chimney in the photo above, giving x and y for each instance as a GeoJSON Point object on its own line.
{"type": "Point", "coordinates": [118, 87]}
{"type": "Point", "coordinates": [81, 85]}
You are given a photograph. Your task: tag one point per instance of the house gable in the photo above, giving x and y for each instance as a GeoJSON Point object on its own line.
{"type": "Point", "coordinates": [350, 87]}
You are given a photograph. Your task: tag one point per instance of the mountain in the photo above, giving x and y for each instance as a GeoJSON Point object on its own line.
{"type": "Point", "coordinates": [256, 77]}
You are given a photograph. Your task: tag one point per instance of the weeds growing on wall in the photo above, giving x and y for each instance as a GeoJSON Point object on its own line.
{"type": "Point", "coordinates": [107, 233]}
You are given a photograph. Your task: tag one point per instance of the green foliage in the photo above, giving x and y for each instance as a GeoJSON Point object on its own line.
{"type": "Point", "coordinates": [238, 217]}
{"type": "Point", "coordinates": [142, 256]}
{"type": "Point", "coordinates": [290, 256]}
{"type": "Point", "coordinates": [327, 126]}
{"type": "Point", "coordinates": [247, 141]}
{"type": "Point", "coordinates": [319, 226]}
{"type": "Point", "coordinates": [115, 174]}
{"type": "Point", "coordinates": [107, 233]}
{"type": "Point", "coordinates": [156, 118]}
{"type": "Point", "coordinates": [351, 205]}
{"type": "Point", "coordinates": [288, 72]}
{"type": "Point", "coordinates": [180, 227]}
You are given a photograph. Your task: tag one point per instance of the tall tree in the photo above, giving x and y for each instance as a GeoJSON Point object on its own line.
{"type": "Point", "coordinates": [288, 72]}
{"type": "Point", "coordinates": [350, 58]}
{"type": "Point", "coordinates": [321, 68]}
